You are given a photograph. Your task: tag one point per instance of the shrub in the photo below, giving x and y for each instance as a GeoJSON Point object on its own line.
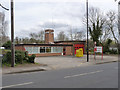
{"type": "Point", "coordinates": [20, 57]}
{"type": "Point", "coordinates": [32, 58]}
{"type": "Point", "coordinates": [7, 58]}
{"type": "Point", "coordinates": [4, 51]}
{"type": "Point", "coordinates": [7, 45]}
{"type": "Point", "coordinates": [113, 51]}
{"type": "Point", "coordinates": [106, 46]}
{"type": "Point", "coordinates": [26, 58]}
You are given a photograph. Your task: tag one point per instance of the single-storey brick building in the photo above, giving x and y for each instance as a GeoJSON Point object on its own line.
{"type": "Point", "coordinates": [51, 48]}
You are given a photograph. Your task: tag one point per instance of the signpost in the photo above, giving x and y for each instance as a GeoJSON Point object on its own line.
{"type": "Point", "coordinates": [98, 49]}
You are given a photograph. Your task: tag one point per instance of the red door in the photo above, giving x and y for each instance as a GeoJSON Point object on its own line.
{"type": "Point", "coordinates": [77, 46]}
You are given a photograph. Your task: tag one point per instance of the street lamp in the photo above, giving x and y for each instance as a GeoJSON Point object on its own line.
{"type": "Point", "coordinates": [87, 31]}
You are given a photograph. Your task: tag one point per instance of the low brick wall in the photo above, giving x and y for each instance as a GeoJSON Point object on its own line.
{"type": "Point", "coordinates": [47, 54]}
{"type": "Point", "coordinates": [21, 48]}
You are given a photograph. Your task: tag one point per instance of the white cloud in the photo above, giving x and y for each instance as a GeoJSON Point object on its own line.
{"type": "Point", "coordinates": [29, 14]}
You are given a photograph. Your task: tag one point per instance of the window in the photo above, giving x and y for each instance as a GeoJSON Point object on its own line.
{"type": "Point", "coordinates": [48, 49]}
{"type": "Point", "coordinates": [42, 49]}
{"type": "Point", "coordinates": [60, 49]}
{"type": "Point", "coordinates": [57, 49]}
{"type": "Point", "coordinates": [29, 49]}
{"type": "Point", "coordinates": [52, 48]}
{"type": "Point", "coordinates": [35, 50]}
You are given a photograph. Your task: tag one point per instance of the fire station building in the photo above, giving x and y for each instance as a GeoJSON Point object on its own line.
{"type": "Point", "coordinates": [51, 47]}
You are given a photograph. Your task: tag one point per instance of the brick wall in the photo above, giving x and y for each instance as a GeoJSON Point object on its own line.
{"type": "Point", "coordinates": [21, 48]}
{"type": "Point", "coordinates": [49, 36]}
{"type": "Point", "coordinates": [65, 43]}
{"type": "Point", "coordinates": [47, 54]}
{"type": "Point", "coordinates": [69, 50]}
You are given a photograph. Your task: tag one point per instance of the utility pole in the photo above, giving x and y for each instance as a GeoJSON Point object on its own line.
{"type": "Point", "coordinates": [119, 17]}
{"type": "Point", "coordinates": [12, 32]}
{"type": "Point", "coordinates": [87, 31]}
{"type": "Point", "coordinates": [119, 28]}
{"type": "Point", "coordinates": [12, 35]}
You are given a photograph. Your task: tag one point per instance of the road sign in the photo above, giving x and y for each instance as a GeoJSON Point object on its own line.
{"type": "Point", "coordinates": [98, 49]}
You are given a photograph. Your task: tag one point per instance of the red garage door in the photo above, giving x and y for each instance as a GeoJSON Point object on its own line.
{"type": "Point", "coordinates": [77, 46]}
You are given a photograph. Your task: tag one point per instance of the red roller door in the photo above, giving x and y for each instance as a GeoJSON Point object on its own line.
{"type": "Point", "coordinates": [77, 46]}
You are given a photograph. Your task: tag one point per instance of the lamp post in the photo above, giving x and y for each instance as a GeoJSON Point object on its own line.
{"type": "Point", "coordinates": [87, 31]}
{"type": "Point", "coordinates": [12, 35]}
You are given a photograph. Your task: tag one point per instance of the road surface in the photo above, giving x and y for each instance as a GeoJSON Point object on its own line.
{"type": "Point", "coordinates": [95, 76]}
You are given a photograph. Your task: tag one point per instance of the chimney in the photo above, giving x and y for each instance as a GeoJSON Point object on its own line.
{"type": "Point", "coordinates": [49, 36]}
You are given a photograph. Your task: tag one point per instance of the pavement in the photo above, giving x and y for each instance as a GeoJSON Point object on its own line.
{"type": "Point", "coordinates": [60, 62]}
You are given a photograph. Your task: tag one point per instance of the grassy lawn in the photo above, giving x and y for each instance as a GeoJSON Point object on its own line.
{"type": "Point", "coordinates": [0, 51]}
{"type": "Point", "coordinates": [23, 65]}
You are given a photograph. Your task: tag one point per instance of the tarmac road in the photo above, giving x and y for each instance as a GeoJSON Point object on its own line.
{"type": "Point", "coordinates": [95, 76]}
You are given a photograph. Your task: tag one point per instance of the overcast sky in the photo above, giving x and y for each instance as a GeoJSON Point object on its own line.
{"type": "Point", "coordinates": [61, 15]}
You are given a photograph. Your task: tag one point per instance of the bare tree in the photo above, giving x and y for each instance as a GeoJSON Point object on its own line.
{"type": "Point", "coordinates": [112, 25]}
{"type": "Point", "coordinates": [33, 35]}
{"type": "Point", "coordinates": [41, 35]}
{"type": "Point", "coordinates": [76, 34]}
{"type": "Point", "coordinates": [3, 28]}
{"type": "Point", "coordinates": [71, 33]}
{"type": "Point", "coordinates": [80, 35]}
{"type": "Point", "coordinates": [3, 24]}
{"type": "Point", "coordinates": [62, 36]}
{"type": "Point", "coordinates": [96, 23]}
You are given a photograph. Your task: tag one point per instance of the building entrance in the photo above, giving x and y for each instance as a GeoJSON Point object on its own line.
{"type": "Point", "coordinates": [77, 46]}
{"type": "Point", "coordinates": [64, 51]}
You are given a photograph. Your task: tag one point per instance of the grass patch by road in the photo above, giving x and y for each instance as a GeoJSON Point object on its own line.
{"type": "Point", "coordinates": [24, 65]}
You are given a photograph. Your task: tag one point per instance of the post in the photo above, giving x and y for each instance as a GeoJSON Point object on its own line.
{"type": "Point", "coordinates": [119, 28]}
{"type": "Point", "coordinates": [95, 49]}
{"type": "Point", "coordinates": [73, 50]}
{"type": "Point", "coordinates": [102, 53]}
{"type": "Point", "coordinates": [12, 35]}
{"type": "Point", "coordinates": [87, 31]}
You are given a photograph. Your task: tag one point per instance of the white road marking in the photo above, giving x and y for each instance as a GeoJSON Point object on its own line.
{"type": "Point", "coordinates": [16, 85]}
{"type": "Point", "coordinates": [83, 74]}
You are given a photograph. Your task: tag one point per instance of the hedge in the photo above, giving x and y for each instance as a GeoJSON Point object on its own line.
{"type": "Point", "coordinates": [20, 58]}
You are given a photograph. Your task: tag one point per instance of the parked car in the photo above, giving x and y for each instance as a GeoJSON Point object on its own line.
{"type": "Point", "coordinates": [2, 47]}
